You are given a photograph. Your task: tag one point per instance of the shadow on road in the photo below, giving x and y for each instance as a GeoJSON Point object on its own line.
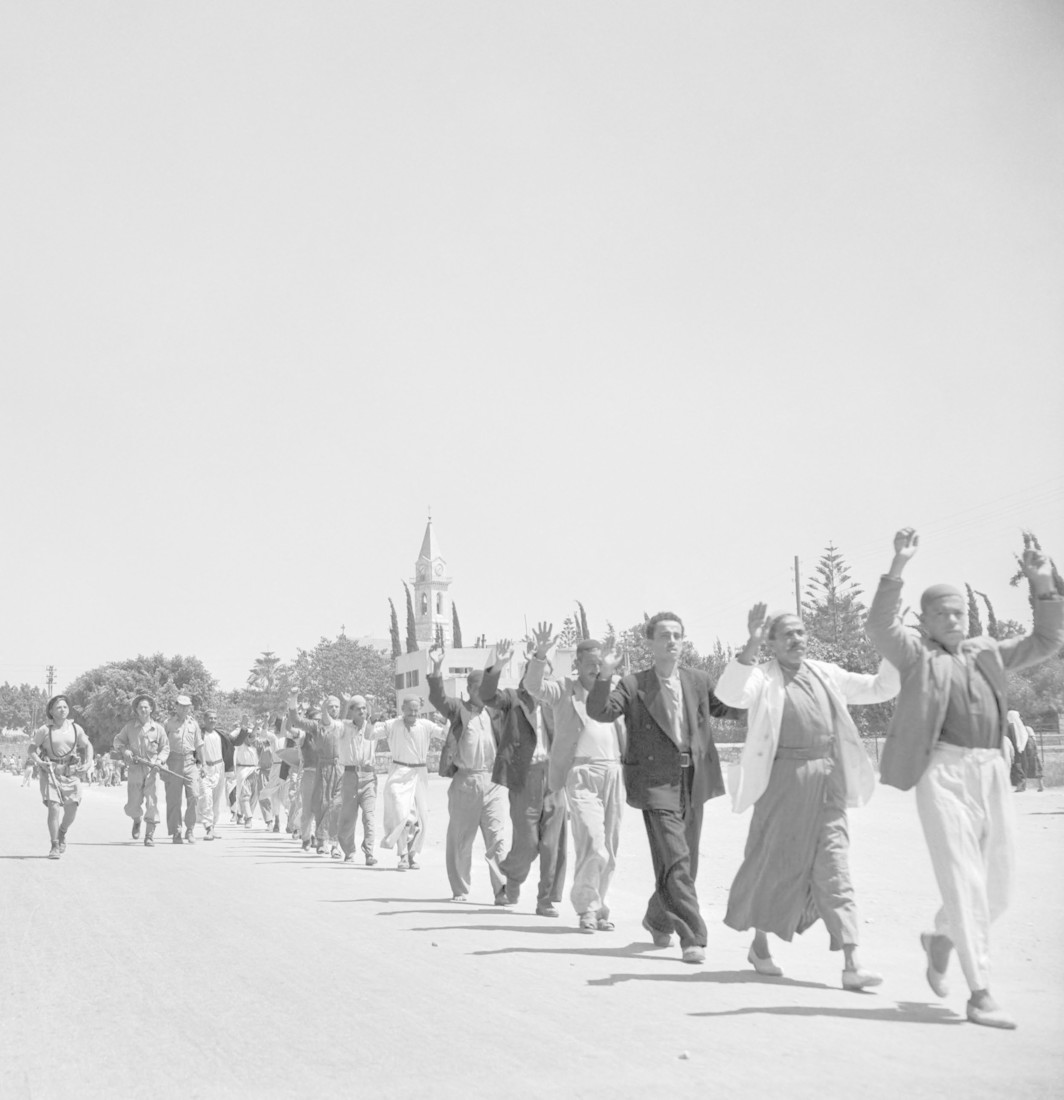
{"type": "Point", "coordinates": [714, 977]}
{"type": "Point", "coordinates": [24, 857]}
{"type": "Point", "coordinates": [534, 929]}
{"type": "Point", "coordinates": [627, 952]}
{"type": "Point", "coordinates": [903, 1012]}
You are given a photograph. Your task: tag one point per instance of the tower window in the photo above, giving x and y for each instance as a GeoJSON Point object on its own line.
{"type": "Point", "coordinates": [424, 604]}
{"type": "Point", "coordinates": [439, 603]}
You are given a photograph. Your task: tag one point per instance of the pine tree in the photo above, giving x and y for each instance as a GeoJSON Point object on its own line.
{"type": "Point", "coordinates": [456, 628]}
{"type": "Point", "coordinates": [411, 628]}
{"type": "Point", "coordinates": [581, 621]}
{"type": "Point", "coordinates": [439, 635]}
{"type": "Point", "coordinates": [975, 624]}
{"type": "Point", "coordinates": [569, 635]}
{"type": "Point", "coordinates": [833, 610]}
{"type": "Point", "coordinates": [993, 627]}
{"type": "Point", "coordinates": [397, 647]}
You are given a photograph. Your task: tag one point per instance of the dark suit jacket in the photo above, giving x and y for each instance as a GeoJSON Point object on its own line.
{"type": "Point", "coordinates": [516, 709]}
{"type": "Point", "coordinates": [652, 772]}
{"type": "Point", "coordinates": [455, 712]}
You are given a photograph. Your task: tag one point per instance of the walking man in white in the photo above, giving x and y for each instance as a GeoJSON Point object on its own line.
{"type": "Point", "coordinates": [186, 753]}
{"type": "Point", "coordinates": [946, 740]}
{"type": "Point", "coordinates": [406, 810]}
{"type": "Point", "coordinates": [802, 765]}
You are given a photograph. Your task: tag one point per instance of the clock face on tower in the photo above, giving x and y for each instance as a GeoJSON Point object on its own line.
{"type": "Point", "coordinates": [439, 569]}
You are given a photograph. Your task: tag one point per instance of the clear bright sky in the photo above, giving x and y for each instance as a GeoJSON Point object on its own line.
{"type": "Point", "coordinates": [642, 298]}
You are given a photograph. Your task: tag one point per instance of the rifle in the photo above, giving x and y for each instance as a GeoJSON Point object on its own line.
{"type": "Point", "coordinates": [159, 767]}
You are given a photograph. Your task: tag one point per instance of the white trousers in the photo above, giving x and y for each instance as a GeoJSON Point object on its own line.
{"type": "Point", "coordinates": [965, 804]}
{"type": "Point", "coordinates": [595, 792]}
{"type": "Point", "coordinates": [212, 801]}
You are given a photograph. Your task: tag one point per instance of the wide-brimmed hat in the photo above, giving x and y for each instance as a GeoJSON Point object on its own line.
{"type": "Point", "coordinates": [143, 695]}
{"type": "Point", "coordinates": [183, 701]}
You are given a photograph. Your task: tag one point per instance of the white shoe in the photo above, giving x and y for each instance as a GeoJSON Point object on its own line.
{"type": "Point", "coordinates": [763, 965]}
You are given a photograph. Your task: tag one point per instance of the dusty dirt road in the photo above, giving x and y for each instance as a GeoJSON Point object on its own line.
{"type": "Point", "coordinates": [247, 968]}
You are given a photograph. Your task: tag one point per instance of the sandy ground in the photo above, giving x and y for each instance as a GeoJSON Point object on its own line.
{"type": "Point", "coordinates": [246, 967]}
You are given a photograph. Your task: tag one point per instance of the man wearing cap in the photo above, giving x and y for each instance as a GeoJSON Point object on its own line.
{"type": "Point", "coordinates": [143, 745]}
{"type": "Point", "coordinates": [186, 755]}
{"type": "Point", "coordinates": [945, 739]}
{"type": "Point", "coordinates": [213, 800]}
{"type": "Point", "coordinates": [474, 799]}
{"type": "Point", "coordinates": [325, 734]}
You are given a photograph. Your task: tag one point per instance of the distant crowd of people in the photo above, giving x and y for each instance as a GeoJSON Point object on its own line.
{"type": "Point", "coordinates": [564, 755]}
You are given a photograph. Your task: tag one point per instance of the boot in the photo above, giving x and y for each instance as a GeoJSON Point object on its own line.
{"type": "Point", "coordinates": [276, 824]}
{"type": "Point", "coordinates": [61, 841]}
{"type": "Point", "coordinates": [189, 838]}
{"type": "Point", "coordinates": [149, 833]}
{"type": "Point", "coordinates": [136, 829]}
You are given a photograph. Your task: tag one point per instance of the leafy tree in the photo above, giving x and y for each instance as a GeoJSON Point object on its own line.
{"type": "Point", "coordinates": [581, 621]}
{"type": "Point", "coordinates": [397, 647]}
{"type": "Point", "coordinates": [344, 665]}
{"type": "Point", "coordinates": [975, 624]}
{"type": "Point", "coordinates": [456, 627]}
{"type": "Point", "coordinates": [411, 626]}
{"type": "Point", "coordinates": [21, 707]}
{"type": "Point", "coordinates": [103, 696]}
{"type": "Point", "coordinates": [833, 611]}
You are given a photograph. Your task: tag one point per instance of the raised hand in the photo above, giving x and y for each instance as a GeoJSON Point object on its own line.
{"type": "Point", "coordinates": [545, 639]}
{"type": "Point", "coordinates": [1038, 569]}
{"type": "Point", "coordinates": [436, 657]}
{"type": "Point", "coordinates": [504, 650]}
{"type": "Point", "coordinates": [906, 542]}
{"type": "Point", "coordinates": [757, 621]}
{"type": "Point", "coordinates": [611, 659]}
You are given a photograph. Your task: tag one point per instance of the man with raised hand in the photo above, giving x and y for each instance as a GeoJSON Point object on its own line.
{"type": "Point", "coordinates": [406, 805]}
{"type": "Point", "coordinates": [474, 799]}
{"type": "Point", "coordinates": [802, 765]}
{"type": "Point", "coordinates": [143, 746]}
{"type": "Point", "coordinates": [946, 739]}
{"type": "Point", "coordinates": [325, 733]}
{"type": "Point", "coordinates": [537, 816]}
{"type": "Point", "coordinates": [357, 752]}
{"type": "Point", "coordinates": [585, 764]}
{"type": "Point", "coordinates": [671, 768]}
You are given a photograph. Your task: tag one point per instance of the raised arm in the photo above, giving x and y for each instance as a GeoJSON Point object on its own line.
{"type": "Point", "coordinates": [863, 688]}
{"type": "Point", "coordinates": [606, 704]}
{"type": "Point", "coordinates": [438, 698]}
{"type": "Point", "coordinates": [543, 691]}
{"type": "Point", "coordinates": [884, 627]}
{"type": "Point", "coordinates": [490, 695]}
{"type": "Point", "coordinates": [1048, 634]}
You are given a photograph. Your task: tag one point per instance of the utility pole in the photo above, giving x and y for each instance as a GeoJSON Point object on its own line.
{"type": "Point", "coordinates": [51, 679]}
{"type": "Point", "coordinates": [797, 589]}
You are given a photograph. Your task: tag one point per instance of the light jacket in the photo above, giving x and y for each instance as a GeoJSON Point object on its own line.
{"type": "Point", "coordinates": [926, 671]}
{"type": "Point", "coordinates": [570, 716]}
{"type": "Point", "coordinates": [761, 690]}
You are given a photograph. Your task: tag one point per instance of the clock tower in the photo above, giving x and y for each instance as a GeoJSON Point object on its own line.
{"type": "Point", "coordinates": [432, 605]}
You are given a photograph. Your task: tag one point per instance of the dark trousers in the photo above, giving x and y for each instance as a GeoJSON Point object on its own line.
{"type": "Point", "coordinates": [539, 830]}
{"type": "Point", "coordinates": [673, 907]}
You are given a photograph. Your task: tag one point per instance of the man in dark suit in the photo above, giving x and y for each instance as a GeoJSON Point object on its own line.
{"type": "Point", "coordinates": [671, 768]}
{"type": "Point", "coordinates": [536, 815]}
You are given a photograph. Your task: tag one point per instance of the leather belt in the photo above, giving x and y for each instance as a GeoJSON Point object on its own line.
{"type": "Point", "coordinates": [404, 764]}
{"type": "Point", "coordinates": [359, 768]}
{"type": "Point", "coordinates": [212, 762]}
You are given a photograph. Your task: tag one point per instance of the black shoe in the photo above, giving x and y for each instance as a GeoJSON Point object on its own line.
{"type": "Point", "coordinates": [136, 830]}
{"type": "Point", "coordinates": [276, 824]}
{"type": "Point", "coordinates": [177, 838]}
